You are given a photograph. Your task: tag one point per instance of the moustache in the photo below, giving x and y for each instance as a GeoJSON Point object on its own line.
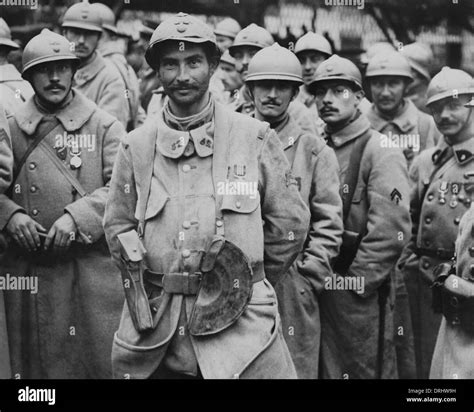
{"type": "Point", "coordinates": [271, 101]}
{"type": "Point", "coordinates": [327, 109]}
{"type": "Point", "coordinates": [54, 86]}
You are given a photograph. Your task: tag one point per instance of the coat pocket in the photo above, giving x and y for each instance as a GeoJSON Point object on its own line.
{"type": "Point", "coordinates": [240, 203]}
{"type": "Point", "coordinates": [156, 201]}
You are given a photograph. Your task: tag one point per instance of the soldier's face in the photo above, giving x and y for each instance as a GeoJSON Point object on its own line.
{"type": "Point", "coordinates": [272, 97]}
{"type": "Point", "coordinates": [310, 61]}
{"type": "Point", "coordinates": [223, 42]}
{"type": "Point", "coordinates": [52, 81]}
{"type": "Point", "coordinates": [336, 101]}
{"type": "Point", "coordinates": [387, 92]}
{"type": "Point", "coordinates": [184, 72]}
{"type": "Point", "coordinates": [242, 56]}
{"type": "Point", "coordinates": [450, 115]}
{"type": "Point", "coordinates": [230, 77]}
{"type": "Point", "coordinates": [85, 41]}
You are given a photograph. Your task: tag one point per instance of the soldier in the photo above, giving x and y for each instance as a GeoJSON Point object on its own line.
{"type": "Point", "coordinates": [201, 179]}
{"type": "Point", "coordinates": [443, 189]}
{"type": "Point", "coordinates": [453, 356]}
{"type": "Point", "coordinates": [421, 60]}
{"type": "Point", "coordinates": [230, 78]}
{"type": "Point", "coordinates": [96, 78]}
{"type": "Point", "coordinates": [274, 78]}
{"type": "Point", "coordinates": [112, 50]}
{"type": "Point", "coordinates": [393, 115]}
{"type": "Point", "coordinates": [247, 43]}
{"type": "Point", "coordinates": [225, 32]}
{"type": "Point", "coordinates": [311, 49]}
{"type": "Point", "coordinates": [356, 305]}
{"type": "Point", "coordinates": [13, 89]}
{"type": "Point", "coordinates": [64, 147]}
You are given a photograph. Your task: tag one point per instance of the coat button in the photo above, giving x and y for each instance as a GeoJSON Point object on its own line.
{"type": "Point", "coordinates": [33, 189]}
{"type": "Point", "coordinates": [32, 166]}
{"type": "Point", "coordinates": [430, 196]}
{"type": "Point", "coordinates": [186, 168]}
{"type": "Point", "coordinates": [471, 251]}
{"type": "Point", "coordinates": [154, 309]}
{"type": "Point", "coordinates": [238, 204]}
{"type": "Point", "coordinates": [427, 243]}
{"type": "Point", "coordinates": [457, 220]}
{"type": "Point", "coordinates": [219, 223]}
{"type": "Point", "coordinates": [186, 224]}
{"type": "Point", "coordinates": [426, 265]}
{"type": "Point", "coordinates": [186, 253]}
{"type": "Point", "coordinates": [454, 302]}
{"type": "Point", "coordinates": [456, 321]}
{"type": "Point", "coordinates": [35, 212]}
{"type": "Point", "coordinates": [428, 220]}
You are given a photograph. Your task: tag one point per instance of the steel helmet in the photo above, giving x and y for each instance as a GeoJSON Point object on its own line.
{"type": "Point", "coordinates": [376, 48]}
{"type": "Point", "coordinates": [275, 63]}
{"type": "Point", "coordinates": [83, 16]}
{"type": "Point", "coordinates": [107, 15]}
{"type": "Point", "coordinates": [228, 27]}
{"type": "Point", "coordinates": [449, 83]}
{"type": "Point", "coordinates": [6, 35]}
{"type": "Point", "coordinates": [252, 35]}
{"type": "Point", "coordinates": [420, 57]}
{"type": "Point", "coordinates": [46, 47]}
{"type": "Point", "coordinates": [227, 58]}
{"type": "Point", "coordinates": [313, 41]}
{"type": "Point", "coordinates": [181, 27]}
{"type": "Point", "coordinates": [336, 68]}
{"type": "Point", "coordinates": [391, 63]}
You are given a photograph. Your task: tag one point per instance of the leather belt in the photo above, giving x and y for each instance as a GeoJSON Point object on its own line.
{"type": "Point", "coordinates": [440, 253]}
{"type": "Point", "coordinates": [184, 283]}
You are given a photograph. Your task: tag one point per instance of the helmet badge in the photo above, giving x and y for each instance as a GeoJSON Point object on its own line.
{"type": "Point", "coordinates": [55, 46]}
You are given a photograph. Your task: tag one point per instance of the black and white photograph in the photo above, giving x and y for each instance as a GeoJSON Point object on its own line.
{"type": "Point", "coordinates": [272, 191]}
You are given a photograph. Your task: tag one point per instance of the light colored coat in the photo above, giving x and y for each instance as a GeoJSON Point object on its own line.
{"type": "Point", "coordinates": [315, 167]}
{"type": "Point", "coordinates": [410, 122]}
{"type": "Point", "coordinates": [136, 113]}
{"type": "Point", "coordinates": [349, 320]}
{"type": "Point", "coordinates": [65, 330]}
{"type": "Point", "coordinates": [101, 82]}
{"type": "Point", "coordinates": [14, 90]}
{"type": "Point", "coordinates": [253, 346]}
{"type": "Point", "coordinates": [453, 356]}
{"type": "Point", "coordinates": [435, 226]}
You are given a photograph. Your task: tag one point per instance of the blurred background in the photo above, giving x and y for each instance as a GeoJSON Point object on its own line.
{"type": "Point", "coordinates": [446, 25]}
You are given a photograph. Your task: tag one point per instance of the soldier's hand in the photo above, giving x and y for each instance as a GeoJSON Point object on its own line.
{"type": "Point", "coordinates": [24, 230]}
{"type": "Point", "coordinates": [61, 234]}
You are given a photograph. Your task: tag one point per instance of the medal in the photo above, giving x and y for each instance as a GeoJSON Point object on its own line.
{"type": "Point", "coordinates": [454, 202]}
{"type": "Point", "coordinates": [75, 162]}
{"type": "Point", "coordinates": [443, 189]}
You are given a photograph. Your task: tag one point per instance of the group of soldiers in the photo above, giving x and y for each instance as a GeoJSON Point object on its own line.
{"type": "Point", "coordinates": [261, 219]}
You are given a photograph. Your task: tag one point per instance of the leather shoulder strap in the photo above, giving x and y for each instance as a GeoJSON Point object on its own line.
{"type": "Point", "coordinates": [352, 174]}
{"type": "Point", "coordinates": [18, 166]}
{"type": "Point", "coordinates": [63, 169]}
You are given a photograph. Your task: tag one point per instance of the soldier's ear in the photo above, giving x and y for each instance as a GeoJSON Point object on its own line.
{"type": "Point", "coordinates": [296, 90]}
